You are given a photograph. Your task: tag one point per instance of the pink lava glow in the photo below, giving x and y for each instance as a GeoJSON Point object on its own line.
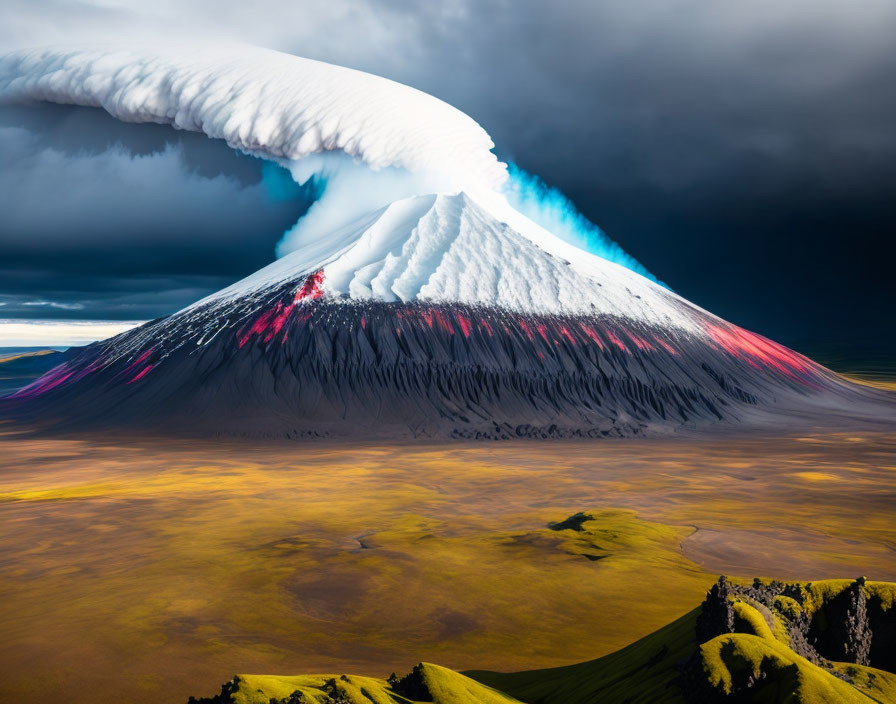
{"type": "Point", "coordinates": [616, 341]}
{"type": "Point", "coordinates": [755, 349]}
{"type": "Point", "coordinates": [590, 332]}
{"type": "Point", "coordinates": [312, 287]}
{"type": "Point", "coordinates": [269, 324]}
{"type": "Point", "coordinates": [136, 363]}
{"type": "Point", "coordinates": [142, 373]}
{"type": "Point", "coordinates": [640, 342]}
{"type": "Point", "coordinates": [143, 357]}
{"type": "Point", "coordinates": [665, 345]}
{"type": "Point", "coordinates": [567, 334]}
{"type": "Point", "coordinates": [464, 323]}
{"type": "Point", "coordinates": [50, 380]}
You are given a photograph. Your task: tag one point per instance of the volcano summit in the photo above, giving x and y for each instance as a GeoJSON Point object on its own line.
{"type": "Point", "coordinates": [425, 306]}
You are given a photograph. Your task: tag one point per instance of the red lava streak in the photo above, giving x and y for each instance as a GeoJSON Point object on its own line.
{"type": "Point", "coordinates": [49, 381]}
{"type": "Point", "coordinates": [640, 342]}
{"type": "Point", "coordinates": [567, 334]}
{"type": "Point", "coordinates": [753, 348]}
{"type": "Point", "coordinates": [312, 287]}
{"type": "Point", "coordinates": [443, 322]}
{"type": "Point", "coordinates": [464, 324]}
{"type": "Point", "coordinates": [271, 322]}
{"type": "Point", "coordinates": [665, 345]}
{"type": "Point", "coordinates": [142, 374]}
{"type": "Point", "coordinates": [616, 341]}
{"type": "Point", "coordinates": [591, 333]}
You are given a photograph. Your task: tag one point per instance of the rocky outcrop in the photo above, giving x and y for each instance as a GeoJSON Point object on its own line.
{"type": "Point", "coordinates": [841, 629]}
{"type": "Point", "coordinates": [574, 522]}
{"type": "Point", "coordinates": [412, 686]}
{"type": "Point", "coordinates": [225, 696]}
{"type": "Point", "coordinates": [824, 628]}
{"type": "Point", "coordinates": [717, 612]}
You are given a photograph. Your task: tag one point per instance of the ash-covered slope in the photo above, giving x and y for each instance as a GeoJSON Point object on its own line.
{"type": "Point", "coordinates": [435, 316]}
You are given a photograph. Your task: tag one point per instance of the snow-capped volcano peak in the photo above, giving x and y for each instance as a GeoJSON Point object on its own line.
{"type": "Point", "coordinates": [450, 248]}
{"type": "Point", "coordinates": [437, 314]}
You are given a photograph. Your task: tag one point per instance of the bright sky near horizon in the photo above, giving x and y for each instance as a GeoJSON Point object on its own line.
{"type": "Point", "coordinates": [60, 333]}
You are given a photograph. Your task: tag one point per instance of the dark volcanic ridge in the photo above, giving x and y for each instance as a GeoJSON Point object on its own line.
{"type": "Point", "coordinates": [289, 362]}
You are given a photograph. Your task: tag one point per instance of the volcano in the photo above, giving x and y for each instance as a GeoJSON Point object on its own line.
{"type": "Point", "coordinates": [421, 295]}
{"type": "Point", "coordinates": [438, 316]}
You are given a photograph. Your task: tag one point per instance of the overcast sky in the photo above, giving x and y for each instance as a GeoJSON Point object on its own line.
{"type": "Point", "coordinates": [745, 152]}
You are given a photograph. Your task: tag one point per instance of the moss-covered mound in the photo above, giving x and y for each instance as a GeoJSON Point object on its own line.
{"type": "Point", "coordinates": [817, 643]}
{"type": "Point", "coordinates": [426, 683]}
{"type": "Point", "coordinates": [830, 641]}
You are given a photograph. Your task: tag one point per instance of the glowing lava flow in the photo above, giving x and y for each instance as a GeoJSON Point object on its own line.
{"type": "Point", "coordinates": [755, 349]}
{"type": "Point", "coordinates": [269, 324]}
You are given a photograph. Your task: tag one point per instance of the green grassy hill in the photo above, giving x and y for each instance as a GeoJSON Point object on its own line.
{"type": "Point", "coordinates": [757, 660]}
{"type": "Point", "coordinates": [426, 683]}
{"type": "Point", "coordinates": [827, 642]}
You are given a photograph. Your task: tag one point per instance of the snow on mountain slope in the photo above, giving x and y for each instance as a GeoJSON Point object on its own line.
{"type": "Point", "coordinates": [447, 248]}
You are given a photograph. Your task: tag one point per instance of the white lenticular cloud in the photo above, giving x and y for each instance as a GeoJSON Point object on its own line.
{"type": "Point", "coordinates": [367, 141]}
{"type": "Point", "coordinates": [264, 102]}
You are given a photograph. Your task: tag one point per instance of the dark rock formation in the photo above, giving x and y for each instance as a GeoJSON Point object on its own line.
{"type": "Point", "coordinates": [224, 697]}
{"type": "Point", "coordinates": [717, 612]}
{"type": "Point", "coordinates": [849, 628]}
{"type": "Point", "coordinates": [841, 630]}
{"type": "Point", "coordinates": [882, 624]}
{"type": "Point", "coordinates": [411, 686]}
{"type": "Point", "coordinates": [574, 522]}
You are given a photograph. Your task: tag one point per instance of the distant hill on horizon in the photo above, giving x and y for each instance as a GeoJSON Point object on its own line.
{"type": "Point", "coordinates": [20, 366]}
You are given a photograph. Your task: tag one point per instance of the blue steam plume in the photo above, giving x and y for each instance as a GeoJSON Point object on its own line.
{"type": "Point", "coordinates": [280, 185]}
{"type": "Point", "coordinates": [556, 213]}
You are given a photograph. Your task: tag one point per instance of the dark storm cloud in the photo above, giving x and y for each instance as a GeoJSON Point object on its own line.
{"type": "Point", "coordinates": [743, 151]}
{"type": "Point", "coordinates": [107, 219]}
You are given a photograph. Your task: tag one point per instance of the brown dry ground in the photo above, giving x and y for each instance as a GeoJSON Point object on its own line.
{"type": "Point", "coordinates": [140, 571]}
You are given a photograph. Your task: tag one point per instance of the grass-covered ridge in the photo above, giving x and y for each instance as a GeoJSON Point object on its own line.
{"type": "Point", "coordinates": [829, 641]}
{"type": "Point", "coordinates": [426, 683]}
{"type": "Point", "coordinates": [811, 643]}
